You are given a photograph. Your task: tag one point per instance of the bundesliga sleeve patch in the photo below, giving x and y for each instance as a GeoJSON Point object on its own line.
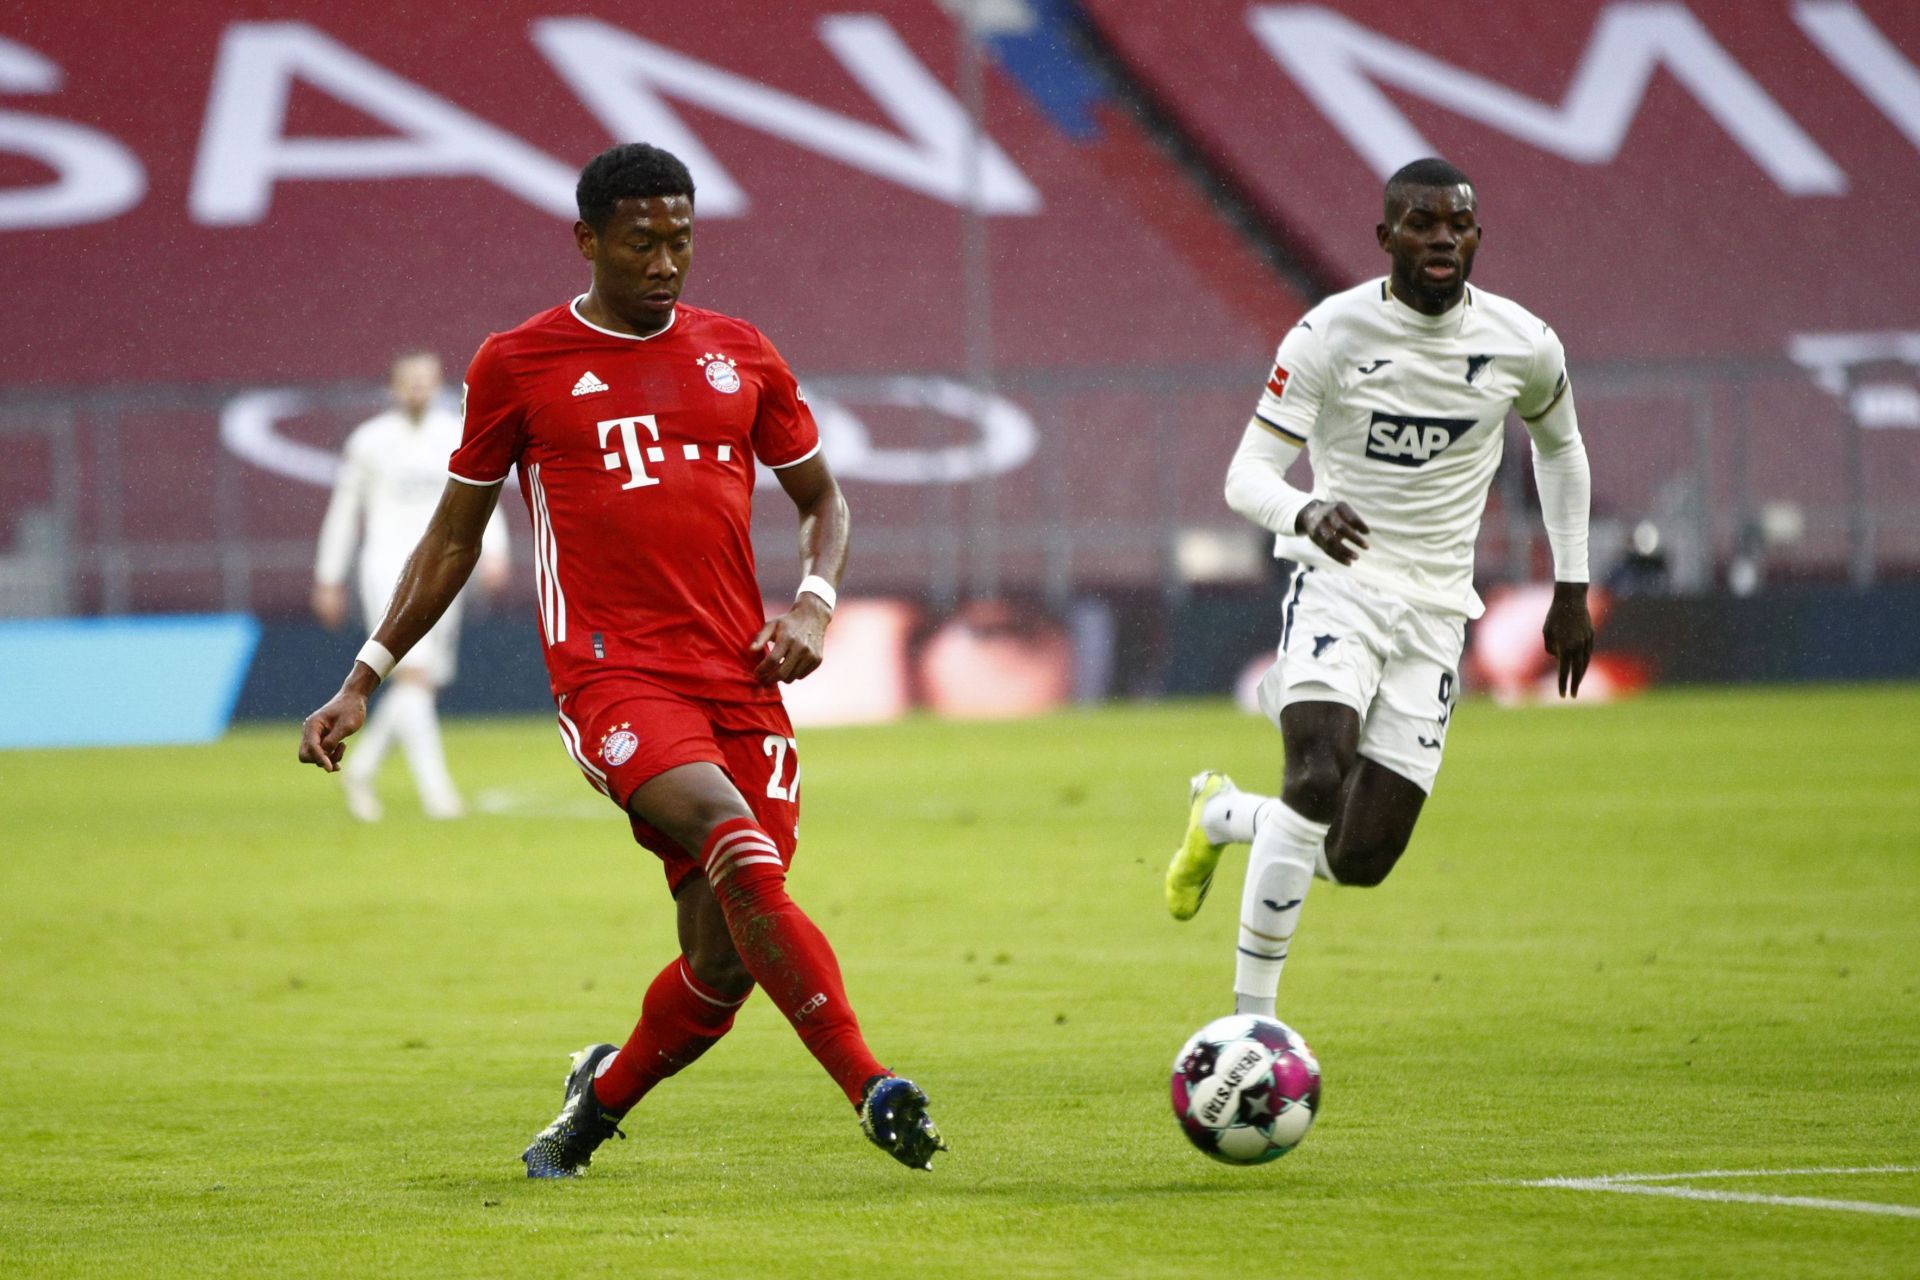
{"type": "Point", "coordinates": [1277, 383]}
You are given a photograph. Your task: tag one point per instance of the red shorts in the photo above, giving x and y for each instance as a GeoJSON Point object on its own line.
{"type": "Point", "coordinates": [622, 731]}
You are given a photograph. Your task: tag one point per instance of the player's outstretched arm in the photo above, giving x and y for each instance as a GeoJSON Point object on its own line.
{"type": "Point", "coordinates": [433, 576]}
{"type": "Point", "coordinates": [791, 646]}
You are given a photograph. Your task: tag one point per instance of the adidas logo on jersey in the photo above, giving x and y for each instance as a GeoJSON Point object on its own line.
{"type": "Point", "coordinates": [1413, 442]}
{"type": "Point", "coordinates": [588, 384]}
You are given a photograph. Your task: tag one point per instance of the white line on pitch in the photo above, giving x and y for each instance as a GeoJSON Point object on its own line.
{"type": "Point", "coordinates": [1737, 1173]}
{"type": "Point", "coordinates": [1639, 1184]}
{"type": "Point", "coordinates": [526, 804]}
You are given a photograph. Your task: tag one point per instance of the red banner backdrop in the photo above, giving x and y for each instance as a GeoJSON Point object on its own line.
{"type": "Point", "coordinates": [189, 192]}
{"type": "Point", "coordinates": [1663, 180]}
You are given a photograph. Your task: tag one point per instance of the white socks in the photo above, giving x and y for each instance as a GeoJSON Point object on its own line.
{"type": "Point", "coordinates": [1230, 816]}
{"type": "Point", "coordinates": [1227, 816]}
{"type": "Point", "coordinates": [1280, 868]}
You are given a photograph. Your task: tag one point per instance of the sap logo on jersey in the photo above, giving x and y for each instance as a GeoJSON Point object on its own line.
{"type": "Point", "coordinates": [1413, 442]}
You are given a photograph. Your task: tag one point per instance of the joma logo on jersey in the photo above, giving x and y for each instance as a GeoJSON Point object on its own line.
{"type": "Point", "coordinates": [1413, 442]}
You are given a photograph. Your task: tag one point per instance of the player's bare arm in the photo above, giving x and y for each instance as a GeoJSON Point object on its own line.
{"type": "Point", "coordinates": [1335, 528]}
{"type": "Point", "coordinates": [792, 645]}
{"type": "Point", "coordinates": [435, 572]}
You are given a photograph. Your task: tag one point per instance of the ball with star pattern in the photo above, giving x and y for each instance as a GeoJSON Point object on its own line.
{"type": "Point", "coordinates": [1245, 1089]}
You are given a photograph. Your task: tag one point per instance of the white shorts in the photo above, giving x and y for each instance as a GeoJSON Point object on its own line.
{"type": "Point", "coordinates": [1396, 664]}
{"type": "Point", "coordinates": [437, 656]}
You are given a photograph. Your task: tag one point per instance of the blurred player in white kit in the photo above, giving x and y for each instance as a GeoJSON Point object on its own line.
{"type": "Point", "coordinates": [391, 474]}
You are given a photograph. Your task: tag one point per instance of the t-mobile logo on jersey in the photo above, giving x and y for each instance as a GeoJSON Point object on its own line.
{"type": "Point", "coordinates": [1413, 442]}
{"type": "Point", "coordinates": [631, 454]}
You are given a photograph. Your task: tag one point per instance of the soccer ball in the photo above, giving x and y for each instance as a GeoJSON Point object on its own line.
{"type": "Point", "coordinates": [1245, 1089]}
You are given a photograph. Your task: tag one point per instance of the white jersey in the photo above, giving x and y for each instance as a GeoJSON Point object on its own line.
{"type": "Point", "coordinates": [1403, 416]}
{"type": "Point", "coordinates": [393, 471]}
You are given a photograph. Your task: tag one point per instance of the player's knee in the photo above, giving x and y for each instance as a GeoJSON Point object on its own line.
{"type": "Point", "coordinates": [690, 824]}
{"type": "Point", "coordinates": [1359, 874]}
{"type": "Point", "coordinates": [715, 962]}
{"type": "Point", "coordinates": [1365, 864]}
{"type": "Point", "coordinates": [708, 813]}
{"type": "Point", "coordinates": [1313, 789]}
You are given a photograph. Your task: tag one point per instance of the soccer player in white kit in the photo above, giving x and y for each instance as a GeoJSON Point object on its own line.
{"type": "Point", "coordinates": [1399, 390]}
{"type": "Point", "coordinates": [393, 469]}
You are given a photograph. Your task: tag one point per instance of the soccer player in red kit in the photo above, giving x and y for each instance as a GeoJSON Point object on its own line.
{"type": "Point", "coordinates": [634, 422]}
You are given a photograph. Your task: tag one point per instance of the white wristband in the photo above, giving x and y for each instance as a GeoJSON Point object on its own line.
{"type": "Point", "coordinates": [814, 584]}
{"type": "Point", "coordinates": [377, 657]}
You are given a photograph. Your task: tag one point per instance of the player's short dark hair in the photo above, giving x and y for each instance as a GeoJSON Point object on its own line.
{"type": "Point", "coordinates": [1431, 171]}
{"type": "Point", "coordinates": [630, 171]}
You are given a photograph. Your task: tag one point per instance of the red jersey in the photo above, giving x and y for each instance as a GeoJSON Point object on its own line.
{"type": "Point", "coordinates": [636, 460]}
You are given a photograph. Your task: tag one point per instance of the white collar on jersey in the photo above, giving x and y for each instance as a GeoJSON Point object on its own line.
{"type": "Point", "coordinates": [1454, 317]}
{"type": "Point", "coordinates": [574, 307]}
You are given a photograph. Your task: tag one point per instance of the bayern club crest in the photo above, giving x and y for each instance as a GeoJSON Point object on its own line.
{"type": "Point", "coordinates": [618, 747]}
{"type": "Point", "coordinates": [721, 375]}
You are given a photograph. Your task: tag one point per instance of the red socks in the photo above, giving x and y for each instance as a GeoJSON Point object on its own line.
{"type": "Point", "coordinates": [680, 1019]}
{"type": "Point", "coordinates": [785, 951]}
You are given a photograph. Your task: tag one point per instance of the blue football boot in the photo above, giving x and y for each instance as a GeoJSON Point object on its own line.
{"type": "Point", "coordinates": [565, 1148]}
{"type": "Point", "coordinates": [893, 1115]}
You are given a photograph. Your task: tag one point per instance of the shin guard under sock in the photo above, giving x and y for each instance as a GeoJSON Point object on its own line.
{"type": "Point", "coordinates": [1279, 872]}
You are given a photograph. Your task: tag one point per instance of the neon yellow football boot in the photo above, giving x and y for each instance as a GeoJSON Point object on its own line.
{"type": "Point", "coordinates": [1190, 874]}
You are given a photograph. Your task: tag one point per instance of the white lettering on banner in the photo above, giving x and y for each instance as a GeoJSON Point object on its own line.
{"type": "Point", "coordinates": [1860, 368]}
{"type": "Point", "coordinates": [1006, 436]}
{"type": "Point", "coordinates": [98, 178]}
{"type": "Point", "coordinates": [1336, 62]}
{"type": "Point", "coordinates": [244, 151]}
{"type": "Point", "coordinates": [625, 81]}
{"type": "Point", "coordinates": [1866, 57]}
{"type": "Point", "coordinates": [247, 425]}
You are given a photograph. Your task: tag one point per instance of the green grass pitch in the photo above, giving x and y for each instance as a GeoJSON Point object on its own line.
{"type": "Point", "coordinates": [242, 1036]}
